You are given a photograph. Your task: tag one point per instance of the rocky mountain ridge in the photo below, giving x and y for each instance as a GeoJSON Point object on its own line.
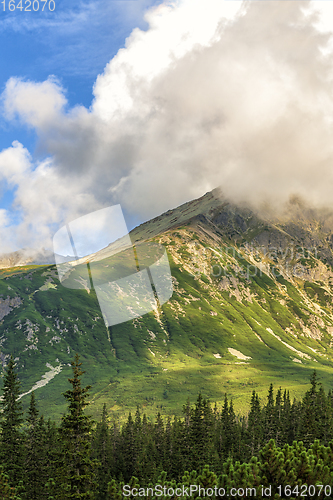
{"type": "Point", "coordinates": [252, 304]}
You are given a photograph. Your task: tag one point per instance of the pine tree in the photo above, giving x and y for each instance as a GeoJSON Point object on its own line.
{"type": "Point", "coordinates": [269, 420]}
{"type": "Point", "coordinates": [228, 440]}
{"type": "Point", "coordinates": [128, 449]}
{"type": "Point", "coordinates": [53, 457]}
{"type": "Point", "coordinates": [201, 433]}
{"type": "Point", "coordinates": [35, 458]}
{"type": "Point", "coordinates": [323, 416]}
{"type": "Point", "coordinates": [254, 429]}
{"type": "Point", "coordinates": [168, 447]}
{"type": "Point", "coordinates": [6, 492]}
{"type": "Point", "coordinates": [278, 417]}
{"type": "Point", "coordinates": [272, 464]}
{"type": "Point", "coordinates": [310, 419]}
{"type": "Point", "coordinates": [287, 429]}
{"type": "Point", "coordinates": [145, 467]}
{"type": "Point", "coordinates": [103, 453]}
{"type": "Point", "coordinates": [159, 439]}
{"type": "Point", "coordinates": [234, 431]}
{"type": "Point", "coordinates": [75, 430]}
{"type": "Point", "coordinates": [115, 444]}
{"type": "Point", "coordinates": [180, 451]}
{"type": "Point", "coordinates": [11, 449]}
{"type": "Point", "coordinates": [114, 491]}
{"type": "Point", "coordinates": [225, 429]}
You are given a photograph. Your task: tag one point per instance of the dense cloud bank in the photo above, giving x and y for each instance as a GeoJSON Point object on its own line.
{"type": "Point", "coordinates": [201, 99]}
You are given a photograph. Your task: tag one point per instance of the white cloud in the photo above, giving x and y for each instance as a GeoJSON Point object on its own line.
{"type": "Point", "coordinates": [43, 199]}
{"type": "Point", "coordinates": [176, 28]}
{"type": "Point", "coordinates": [15, 164]}
{"type": "Point", "coordinates": [200, 99]}
{"type": "Point", "coordinates": [37, 104]}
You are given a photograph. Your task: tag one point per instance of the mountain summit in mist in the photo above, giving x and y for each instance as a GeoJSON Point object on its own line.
{"type": "Point", "coordinates": [252, 304]}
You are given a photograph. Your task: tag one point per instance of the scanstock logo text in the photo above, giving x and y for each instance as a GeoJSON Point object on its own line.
{"type": "Point", "coordinates": [96, 251]}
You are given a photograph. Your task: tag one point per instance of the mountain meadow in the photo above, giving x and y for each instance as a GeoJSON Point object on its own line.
{"type": "Point", "coordinates": [230, 379]}
{"type": "Point", "coordinates": [252, 305]}
{"type": "Point", "coordinates": [278, 450]}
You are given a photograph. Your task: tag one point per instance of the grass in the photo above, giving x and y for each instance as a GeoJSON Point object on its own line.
{"type": "Point", "coordinates": [128, 366]}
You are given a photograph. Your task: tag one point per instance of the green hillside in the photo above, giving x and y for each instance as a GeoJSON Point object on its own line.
{"type": "Point", "coordinates": [252, 304]}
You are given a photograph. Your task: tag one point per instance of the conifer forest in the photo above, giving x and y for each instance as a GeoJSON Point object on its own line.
{"type": "Point", "coordinates": [279, 449]}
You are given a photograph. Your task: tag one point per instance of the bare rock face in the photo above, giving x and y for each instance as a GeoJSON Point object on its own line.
{"type": "Point", "coordinates": [12, 259]}
{"type": "Point", "coordinates": [7, 305]}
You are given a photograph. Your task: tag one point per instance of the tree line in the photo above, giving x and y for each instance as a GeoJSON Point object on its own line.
{"type": "Point", "coordinates": [279, 442]}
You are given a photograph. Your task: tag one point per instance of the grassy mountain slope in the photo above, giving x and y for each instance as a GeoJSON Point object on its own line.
{"type": "Point", "coordinates": [252, 304]}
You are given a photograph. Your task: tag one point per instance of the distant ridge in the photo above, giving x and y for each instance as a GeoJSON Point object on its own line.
{"type": "Point", "coordinates": [27, 257]}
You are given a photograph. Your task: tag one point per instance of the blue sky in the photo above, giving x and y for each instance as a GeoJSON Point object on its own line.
{"type": "Point", "coordinates": [74, 43]}
{"type": "Point", "coordinates": [149, 104]}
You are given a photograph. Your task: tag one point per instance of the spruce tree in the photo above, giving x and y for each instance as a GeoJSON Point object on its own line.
{"type": "Point", "coordinates": [225, 443]}
{"type": "Point", "coordinates": [34, 473]}
{"type": "Point", "coordinates": [103, 453]}
{"type": "Point", "coordinates": [254, 429]}
{"type": "Point", "coordinates": [75, 429]}
{"type": "Point", "coordinates": [53, 458]}
{"type": "Point", "coordinates": [11, 449]}
{"type": "Point", "coordinates": [235, 431]}
{"type": "Point", "coordinates": [201, 433]}
{"type": "Point", "coordinates": [180, 450]}
{"type": "Point", "coordinates": [287, 433]}
{"type": "Point", "coordinates": [128, 449]}
{"type": "Point", "coordinates": [310, 423]}
{"type": "Point", "coordinates": [168, 447]}
{"type": "Point", "coordinates": [269, 420]}
{"type": "Point", "coordinates": [146, 468]}
{"type": "Point", "coordinates": [115, 444]}
{"type": "Point", "coordinates": [159, 439]}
